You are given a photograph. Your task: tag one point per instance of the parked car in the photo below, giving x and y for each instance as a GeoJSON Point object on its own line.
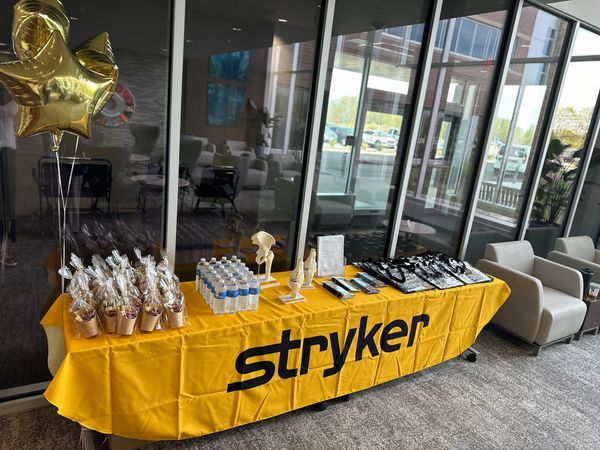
{"type": "Point", "coordinates": [329, 135]}
{"type": "Point", "coordinates": [376, 138]}
{"type": "Point", "coordinates": [517, 159]}
{"type": "Point", "coordinates": [341, 132]}
{"type": "Point", "coordinates": [393, 132]}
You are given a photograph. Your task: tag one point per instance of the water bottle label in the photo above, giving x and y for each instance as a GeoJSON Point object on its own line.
{"type": "Point", "coordinates": [221, 295]}
{"type": "Point", "coordinates": [253, 291]}
{"type": "Point", "coordinates": [244, 291]}
{"type": "Point", "coordinates": [232, 293]}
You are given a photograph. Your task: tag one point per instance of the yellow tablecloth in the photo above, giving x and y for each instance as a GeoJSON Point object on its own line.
{"type": "Point", "coordinates": [174, 384]}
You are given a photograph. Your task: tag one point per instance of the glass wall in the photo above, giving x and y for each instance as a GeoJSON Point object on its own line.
{"type": "Point", "coordinates": [457, 102]}
{"type": "Point", "coordinates": [510, 159]}
{"type": "Point", "coordinates": [370, 83]}
{"type": "Point", "coordinates": [248, 70]}
{"type": "Point", "coordinates": [248, 91]}
{"type": "Point", "coordinates": [116, 195]}
{"type": "Point", "coordinates": [564, 154]}
{"type": "Point", "coordinates": [587, 215]}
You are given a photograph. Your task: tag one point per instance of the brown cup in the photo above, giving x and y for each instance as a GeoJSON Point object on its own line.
{"type": "Point", "coordinates": [125, 326]}
{"type": "Point", "coordinates": [110, 322]}
{"type": "Point", "coordinates": [88, 329]}
{"type": "Point", "coordinates": [149, 321]}
{"type": "Point", "coordinates": [175, 318]}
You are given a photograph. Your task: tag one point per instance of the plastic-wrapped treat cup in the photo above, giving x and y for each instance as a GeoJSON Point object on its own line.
{"type": "Point", "coordinates": [87, 323]}
{"type": "Point", "coordinates": [175, 315]}
{"type": "Point", "coordinates": [109, 315]}
{"type": "Point", "coordinates": [150, 317]}
{"type": "Point", "coordinates": [126, 321]}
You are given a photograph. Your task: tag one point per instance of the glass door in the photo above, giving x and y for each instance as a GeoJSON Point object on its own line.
{"type": "Point", "coordinates": [117, 187]}
{"type": "Point", "coordinates": [372, 64]}
{"type": "Point", "coordinates": [448, 145]}
{"type": "Point", "coordinates": [516, 134]}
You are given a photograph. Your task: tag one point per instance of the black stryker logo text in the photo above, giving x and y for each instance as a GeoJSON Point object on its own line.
{"type": "Point", "coordinates": [396, 329]}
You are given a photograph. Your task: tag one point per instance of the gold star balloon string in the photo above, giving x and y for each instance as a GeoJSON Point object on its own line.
{"type": "Point", "coordinates": [56, 90]}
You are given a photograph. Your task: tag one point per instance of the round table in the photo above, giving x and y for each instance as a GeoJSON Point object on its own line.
{"type": "Point", "coordinates": [410, 227]}
{"type": "Point", "coordinates": [153, 185]}
{"type": "Point", "coordinates": [156, 180]}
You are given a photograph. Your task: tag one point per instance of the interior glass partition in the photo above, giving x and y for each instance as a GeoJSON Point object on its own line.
{"type": "Point", "coordinates": [374, 54]}
{"type": "Point", "coordinates": [511, 155]}
{"type": "Point", "coordinates": [565, 151]}
{"type": "Point", "coordinates": [587, 216]}
{"type": "Point", "coordinates": [458, 98]}
{"type": "Point", "coordinates": [248, 74]}
{"type": "Point", "coordinates": [116, 195]}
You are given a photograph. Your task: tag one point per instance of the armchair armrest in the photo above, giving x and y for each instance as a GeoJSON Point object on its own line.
{"type": "Point", "coordinates": [559, 277]}
{"type": "Point", "coordinates": [521, 313]}
{"type": "Point", "coordinates": [597, 256]}
{"type": "Point", "coordinates": [274, 167]}
{"type": "Point", "coordinates": [260, 164]}
{"type": "Point", "coordinates": [575, 263]}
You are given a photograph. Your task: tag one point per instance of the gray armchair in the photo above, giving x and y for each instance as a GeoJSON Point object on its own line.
{"type": "Point", "coordinates": [333, 210]}
{"type": "Point", "coordinates": [253, 171]}
{"type": "Point", "coordinates": [578, 253]}
{"type": "Point", "coordinates": [283, 166]}
{"type": "Point", "coordinates": [545, 303]}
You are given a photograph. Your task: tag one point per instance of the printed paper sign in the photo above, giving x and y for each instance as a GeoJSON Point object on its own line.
{"type": "Point", "coordinates": [330, 256]}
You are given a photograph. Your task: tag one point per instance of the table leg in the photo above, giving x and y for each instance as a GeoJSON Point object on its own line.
{"type": "Point", "coordinates": [87, 439]}
{"type": "Point", "coordinates": [471, 354]}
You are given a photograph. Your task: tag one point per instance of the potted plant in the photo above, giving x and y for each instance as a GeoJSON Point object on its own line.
{"type": "Point", "coordinates": [553, 195]}
{"type": "Point", "coordinates": [265, 123]}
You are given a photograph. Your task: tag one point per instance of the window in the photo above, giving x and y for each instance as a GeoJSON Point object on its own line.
{"type": "Point", "coordinates": [570, 128]}
{"type": "Point", "coordinates": [516, 134]}
{"type": "Point", "coordinates": [459, 89]}
{"type": "Point", "coordinates": [242, 146]}
{"type": "Point", "coordinates": [369, 92]}
{"type": "Point", "coordinates": [118, 180]}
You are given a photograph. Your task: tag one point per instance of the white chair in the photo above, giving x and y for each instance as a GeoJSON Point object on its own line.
{"type": "Point", "coordinates": [578, 253]}
{"type": "Point", "coordinates": [545, 303]}
{"type": "Point", "coordinates": [236, 148]}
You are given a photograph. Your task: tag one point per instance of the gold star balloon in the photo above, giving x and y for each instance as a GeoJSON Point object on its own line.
{"type": "Point", "coordinates": [56, 90]}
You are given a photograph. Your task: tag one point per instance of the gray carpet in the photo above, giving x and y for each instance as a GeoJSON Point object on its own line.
{"type": "Point", "coordinates": [508, 399]}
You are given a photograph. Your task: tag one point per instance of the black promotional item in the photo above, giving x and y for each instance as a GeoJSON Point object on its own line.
{"type": "Point", "coordinates": [462, 270]}
{"type": "Point", "coordinates": [423, 272]}
{"type": "Point", "coordinates": [338, 291]}
{"type": "Point", "coordinates": [365, 286]}
{"type": "Point", "coordinates": [345, 284]}
{"type": "Point", "coordinates": [371, 280]}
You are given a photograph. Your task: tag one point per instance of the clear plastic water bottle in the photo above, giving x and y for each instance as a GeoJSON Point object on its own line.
{"type": "Point", "coordinates": [205, 273]}
{"type": "Point", "coordinates": [231, 304]}
{"type": "Point", "coordinates": [224, 260]}
{"type": "Point", "coordinates": [199, 269]}
{"type": "Point", "coordinates": [220, 297]}
{"type": "Point", "coordinates": [253, 293]}
{"type": "Point", "coordinates": [212, 288]}
{"type": "Point", "coordinates": [234, 259]}
{"type": "Point", "coordinates": [210, 279]}
{"type": "Point", "coordinates": [244, 294]}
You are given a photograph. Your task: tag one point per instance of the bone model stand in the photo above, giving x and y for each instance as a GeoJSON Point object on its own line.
{"type": "Point", "coordinates": [264, 255]}
{"type": "Point", "coordinates": [296, 281]}
{"type": "Point", "coordinates": [310, 268]}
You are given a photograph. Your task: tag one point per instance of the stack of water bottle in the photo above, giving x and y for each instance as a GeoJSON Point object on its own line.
{"type": "Point", "coordinates": [227, 286]}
